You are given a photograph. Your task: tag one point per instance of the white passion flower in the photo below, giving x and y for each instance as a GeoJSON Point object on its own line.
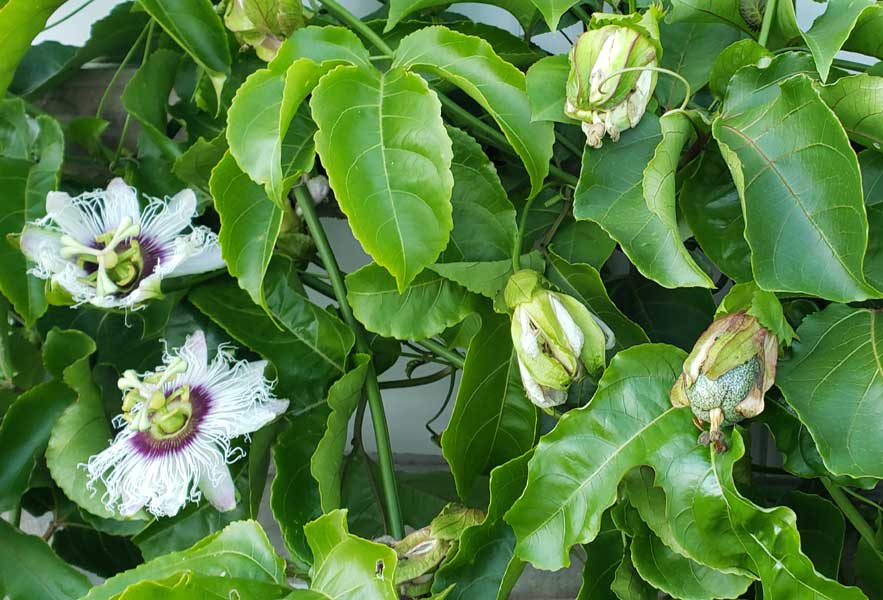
{"type": "Point", "coordinates": [176, 431]}
{"type": "Point", "coordinates": [102, 249]}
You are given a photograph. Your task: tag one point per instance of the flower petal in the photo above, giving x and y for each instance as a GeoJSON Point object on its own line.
{"type": "Point", "coordinates": [205, 255]}
{"type": "Point", "coordinates": [164, 221]}
{"type": "Point", "coordinates": [80, 218]}
{"type": "Point", "coordinates": [120, 201]}
{"type": "Point", "coordinates": [217, 486]}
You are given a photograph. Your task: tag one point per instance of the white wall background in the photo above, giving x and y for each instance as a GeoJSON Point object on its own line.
{"type": "Point", "coordinates": [407, 409]}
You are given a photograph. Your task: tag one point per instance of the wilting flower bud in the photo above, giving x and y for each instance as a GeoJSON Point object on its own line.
{"type": "Point", "coordinates": [421, 552]}
{"type": "Point", "coordinates": [599, 93]}
{"type": "Point", "coordinates": [556, 338]}
{"type": "Point", "coordinates": [728, 372]}
{"type": "Point", "coordinates": [263, 25]}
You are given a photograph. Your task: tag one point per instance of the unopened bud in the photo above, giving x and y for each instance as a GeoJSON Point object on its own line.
{"type": "Point", "coordinates": [611, 73]}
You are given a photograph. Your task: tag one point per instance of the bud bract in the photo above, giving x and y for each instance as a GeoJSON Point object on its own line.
{"type": "Point", "coordinates": [605, 98]}
{"type": "Point", "coordinates": [556, 338]}
{"type": "Point", "coordinates": [421, 552]}
{"type": "Point", "coordinates": [263, 25]}
{"type": "Point", "coordinates": [726, 375]}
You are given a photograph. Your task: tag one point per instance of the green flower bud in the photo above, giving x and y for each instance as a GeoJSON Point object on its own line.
{"type": "Point", "coordinates": [263, 24]}
{"type": "Point", "coordinates": [602, 96]}
{"type": "Point", "coordinates": [556, 338]}
{"type": "Point", "coordinates": [421, 552]}
{"type": "Point", "coordinates": [728, 372]}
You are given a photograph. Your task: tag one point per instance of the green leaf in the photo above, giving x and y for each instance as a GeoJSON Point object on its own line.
{"type": "Point", "coordinates": [835, 383]}
{"type": "Point", "coordinates": [428, 306]}
{"type": "Point", "coordinates": [584, 283]}
{"type": "Point", "coordinates": [25, 179]}
{"type": "Point", "coordinates": [628, 584]}
{"type": "Point", "coordinates": [688, 47]}
{"type": "Point", "coordinates": [674, 317]}
{"type": "Point", "coordinates": [195, 166]}
{"type": "Point", "coordinates": [711, 205]}
{"type": "Point", "coordinates": [583, 242]}
{"type": "Point", "coordinates": [486, 278]}
{"type": "Point", "coordinates": [388, 162]}
{"type": "Point", "coordinates": [48, 64]}
{"type": "Point", "coordinates": [82, 431]}
{"type": "Point", "coordinates": [294, 498]}
{"type": "Point", "coordinates": [266, 111]}
{"type": "Point", "coordinates": [124, 340]}
{"type": "Point", "coordinates": [96, 552]}
{"type": "Point", "coordinates": [146, 97]}
{"type": "Point", "coordinates": [250, 224]}
{"type": "Point", "coordinates": [800, 187]}
{"type": "Point", "coordinates": [733, 58]}
{"type": "Point", "coordinates": [865, 37]}
{"type": "Point", "coordinates": [868, 568]}
{"type": "Point", "coordinates": [609, 193]}
{"type": "Point", "coordinates": [576, 468]}
{"type": "Point", "coordinates": [858, 103]}
{"type": "Point", "coordinates": [197, 28]}
{"type": "Point", "coordinates": [346, 566]}
{"type": "Point", "coordinates": [709, 11]}
{"type": "Point", "coordinates": [30, 570]}
{"type": "Point", "coordinates": [492, 422]}
{"type": "Point", "coordinates": [472, 65]}
{"type": "Point", "coordinates": [603, 557]}
{"type": "Point", "coordinates": [678, 576]}
{"type": "Point", "coordinates": [573, 475]}
{"type": "Point", "coordinates": [240, 550]}
{"type": "Point", "coordinates": [484, 218]}
{"type": "Point", "coordinates": [524, 11]}
{"type": "Point", "coordinates": [24, 433]}
{"type": "Point", "coordinates": [553, 10]}
{"type": "Point", "coordinates": [658, 183]}
{"type": "Point", "coordinates": [546, 80]}
{"type": "Point", "coordinates": [186, 585]}
{"type": "Point", "coordinates": [485, 565]}
{"type": "Point", "coordinates": [21, 21]}
{"type": "Point", "coordinates": [326, 464]}
{"type": "Point", "coordinates": [822, 530]}
{"type": "Point", "coordinates": [831, 29]}
{"type": "Point", "coordinates": [307, 354]}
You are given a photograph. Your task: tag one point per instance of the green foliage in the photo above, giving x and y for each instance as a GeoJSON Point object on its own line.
{"type": "Point", "coordinates": [441, 145]}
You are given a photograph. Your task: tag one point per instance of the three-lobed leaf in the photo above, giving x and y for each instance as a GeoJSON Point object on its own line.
{"type": "Point", "coordinates": [577, 467]}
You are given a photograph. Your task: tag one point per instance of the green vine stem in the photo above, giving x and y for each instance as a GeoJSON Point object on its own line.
{"type": "Point", "coordinates": [768, 15]}
{"type": "Point", "coordinates": [852, 515]}
{"type": "Point", "coordinates": [372, 389]}
{"type": "Point", "coordinates": [519, 236]}
{"type": "Point", "coordinates": [449, 355]}
{"type": "Point", "coordinates": [340, 11]}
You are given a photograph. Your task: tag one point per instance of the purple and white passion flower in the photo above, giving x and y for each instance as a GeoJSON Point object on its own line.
{"type": "Point", "coordinates": [176, 431]}
{"type": "Point", "coordinates": [102, 249]}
